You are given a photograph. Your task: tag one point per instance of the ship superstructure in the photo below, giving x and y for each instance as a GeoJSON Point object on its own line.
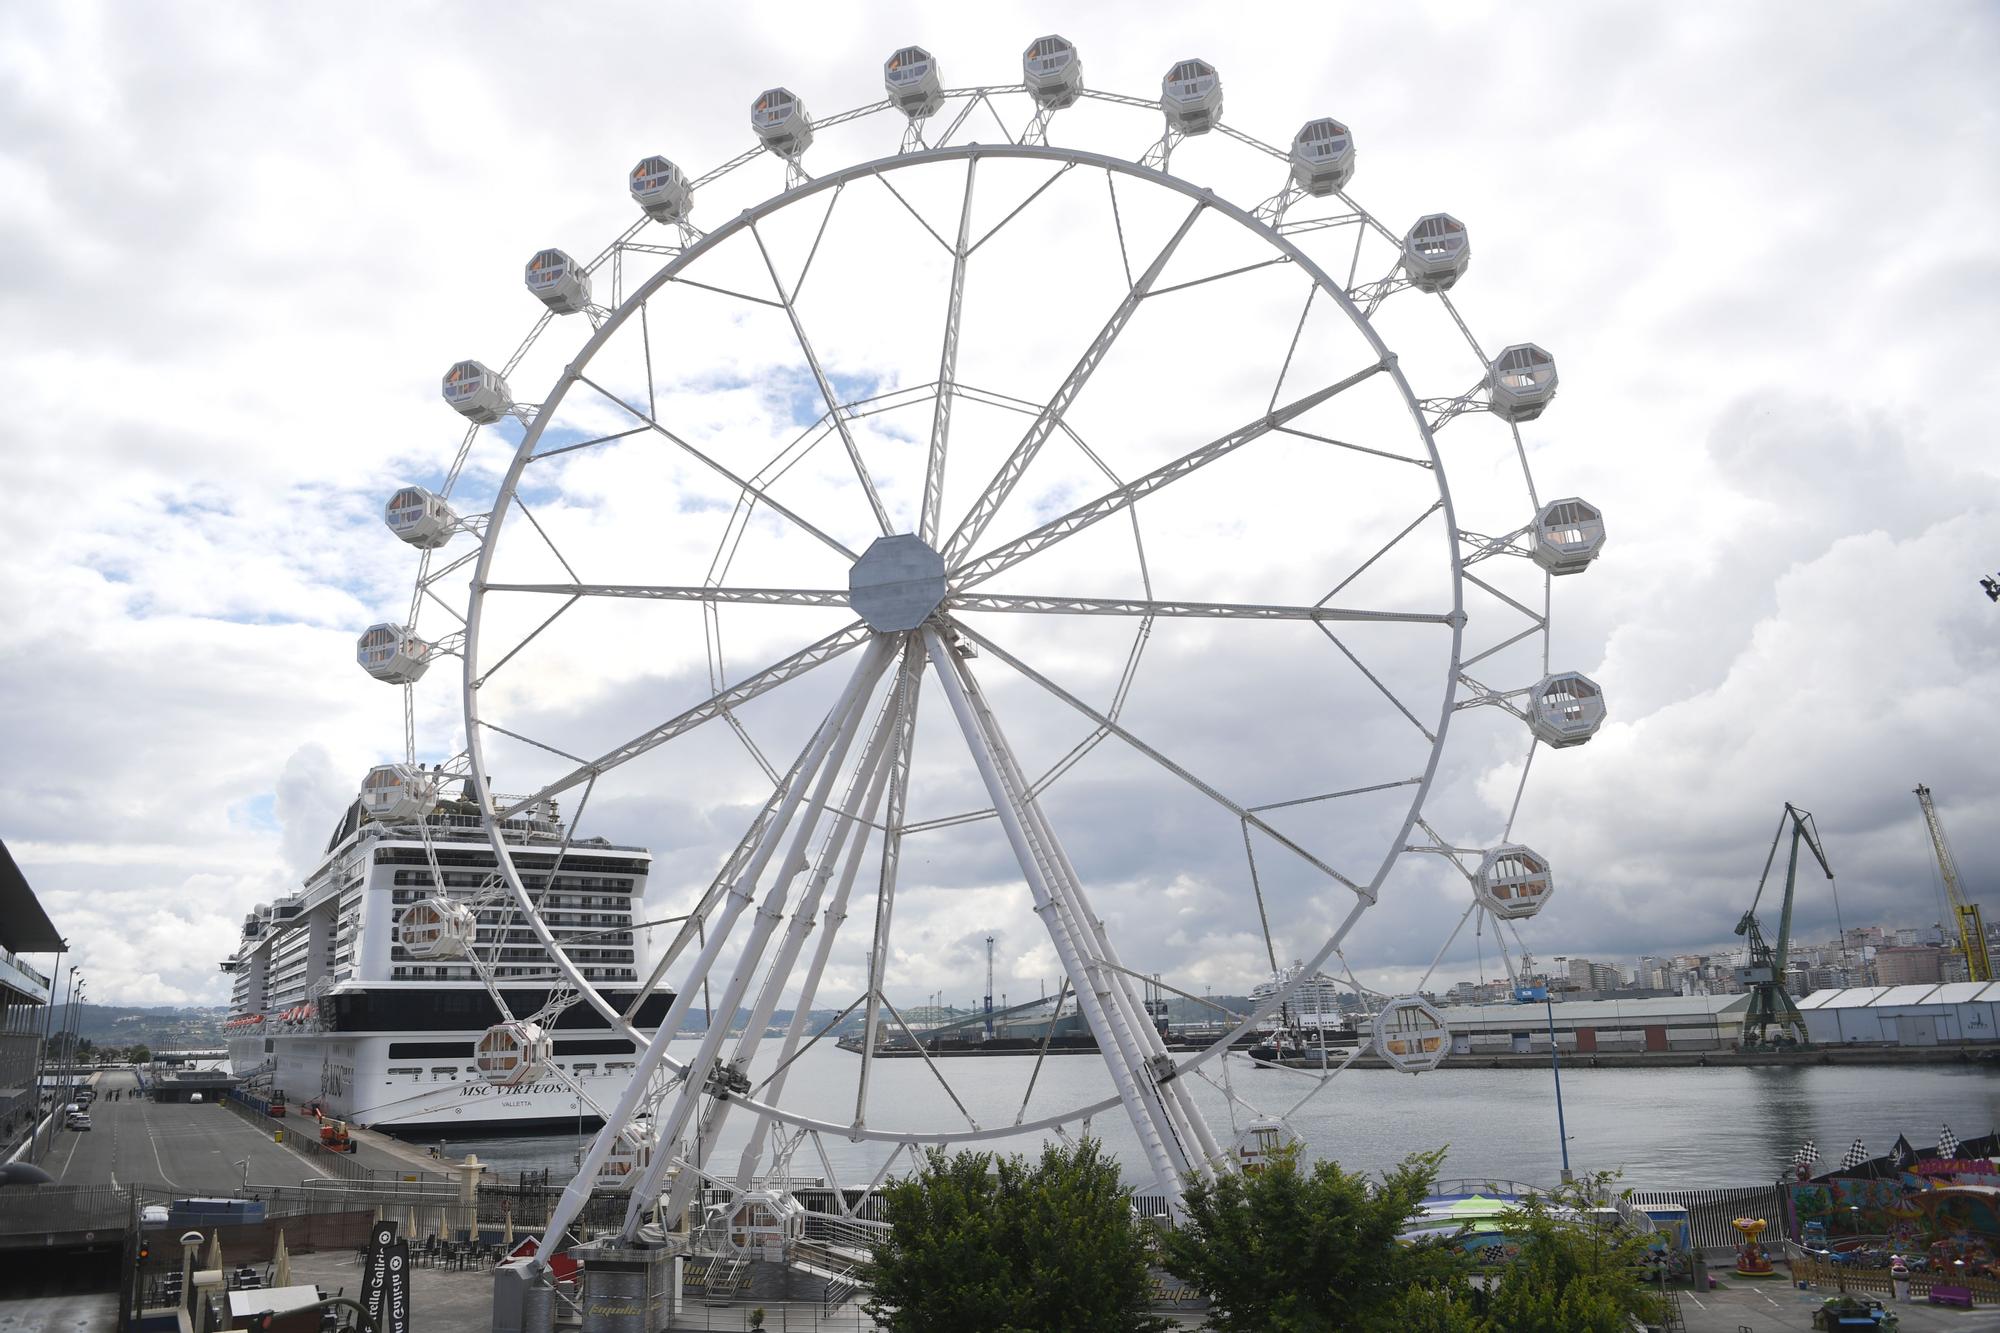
{"type": "Point", "coordinates": [1315, 1004]}
{"type": "Point", "coordinates": [329, 1006]}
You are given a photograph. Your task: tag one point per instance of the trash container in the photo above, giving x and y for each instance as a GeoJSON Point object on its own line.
{"type": "Point", "coordinates": [277, 1136]}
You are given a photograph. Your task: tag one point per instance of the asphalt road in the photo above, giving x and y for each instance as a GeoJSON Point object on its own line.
{"type": "Point", "coordinates": [190, 1149]}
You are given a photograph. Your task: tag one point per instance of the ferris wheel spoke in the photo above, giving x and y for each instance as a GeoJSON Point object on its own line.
{"type": "Point", "coordinates": [973, 525]}
{"type": "Point", "coordinates": [947, 368]}
{"type": "Point", "coordinates": [1185, 775]}
{"type": "Point", "coordinates": [1005, 557]}
{"type": "Point", "coordinates": [1113, 606]}
{"type": "Point", "coordinates": [758, 493]}
{"type": "Point", "coordinates": [1357, 448]}
{"type": "Point", "coordinates": [1376, 681]}
{"type": "Point", "coordinates": [825, 387]}
{"type": "Point", "coordinates": [910, 683]}
{"type": "Point", "coordinates": [685, 593]}
{"type": "Point", "coordinates": [1385, 548]}
{"type": "Point", "coordinates": [761, 682]}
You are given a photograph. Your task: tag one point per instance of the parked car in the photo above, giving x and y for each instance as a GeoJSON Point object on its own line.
{"type": "Point", "coordinates": [77, 1122]}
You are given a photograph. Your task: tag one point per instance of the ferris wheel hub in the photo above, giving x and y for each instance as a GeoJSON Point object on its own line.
{"type": "Point", "coordinates": [897, 583]}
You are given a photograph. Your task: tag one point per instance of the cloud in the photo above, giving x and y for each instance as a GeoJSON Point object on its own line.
{"type": "Point", "coordinates": [243, 256]}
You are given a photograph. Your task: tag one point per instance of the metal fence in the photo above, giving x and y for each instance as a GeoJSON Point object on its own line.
{"type": "Point", "coordinates": [31, 1216]}
{"type": "Point", "coordinates": [1711, 1211]}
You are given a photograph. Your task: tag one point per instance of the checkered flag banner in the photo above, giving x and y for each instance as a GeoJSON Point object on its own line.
{"type": "Point", "coordinates": [1855, 1157]}
{"type": "Point", "coordinates": [1947, 1142]}
{"type": "Point", "coordinates": [1807, 1154]}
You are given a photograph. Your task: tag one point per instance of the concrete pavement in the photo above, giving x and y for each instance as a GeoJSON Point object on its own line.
{"type": "Point", "coordinates": [189, 1149]}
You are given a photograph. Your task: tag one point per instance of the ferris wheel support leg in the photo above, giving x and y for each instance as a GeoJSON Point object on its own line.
{"type": "Point", "coordinates": [876, 764]}
{"type": "Point", "coordinates": [577, 1193]}
{"type": "Point", "coordinates": [1142, 1104]}
{"type": "Point", "coordinates": [1188, 1125]}
{"type": "Point", "coordinates": [851, 710]}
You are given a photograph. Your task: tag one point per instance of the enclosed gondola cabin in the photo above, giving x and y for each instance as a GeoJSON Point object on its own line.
{"type": "Point", "coordinates": [1568, 536]}
{"type": "Point", "coordinates": [420, 518]}
{"type": "Point", "coordinates": [437, 927]}
{"type": "Point", "coordinates": [913, 82]}
{"type": "Point", "coordinates": [1521, 382]}
{"type": "Point", "coordinates": [623, 1165]}
{"type": "Point", "coordinates": [398, 791]}
{"type": "Point", "coordinates": [1513, 882]}
{"type": "Point", "coordinates": [763, 1222]}
{"type": "Point", "coordinates": [1411, 1036]}
{"type": "Point", "coordinates": [1191, 97]}
{"type": "Point", "coordinates": [661, 190]}
{"type": "Point", "coordinates": [1436, 252]}
{"type": "Point", "coordinates": [1565, 709]}
{"type": "Point", "coordinates": [780, 120]}
{"type": "Point", "coordinates": [1261, 1140]}
{"type": "Point", "coordinates": [511, 1054]}
{"type": "Point", "coordinates": [393, 654]}
{"type": "Point", "coordinates": [1053, 71]}
{"type": "Point", "coordinates": [477, 393]}
{"type": "Point", "coordinates": [1322, 156]}
{"type": "Point", "coordinates": [558, 282]}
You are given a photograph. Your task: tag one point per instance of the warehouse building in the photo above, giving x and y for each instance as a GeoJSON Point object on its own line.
{"type": "Point", "coordinates": [1918, 1015]}
{"type": "Point", "coordinates": [1588, 1027]}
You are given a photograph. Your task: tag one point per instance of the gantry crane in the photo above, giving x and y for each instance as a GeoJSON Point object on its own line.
{"type": "Point", "coordinates": [1971, 930]}
{"type": "Point", "coordinates": [1770, 1004]}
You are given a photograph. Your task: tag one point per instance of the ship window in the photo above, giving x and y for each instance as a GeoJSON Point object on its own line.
{"type": "Point", "coordinates": [585, 1069]}
{"type": "Point", "coordinates": [438, 1072]}
{"type": "Point", "coordinates": [619, 1067]}
{"type": "Point", "coordinates": [407, 1071]}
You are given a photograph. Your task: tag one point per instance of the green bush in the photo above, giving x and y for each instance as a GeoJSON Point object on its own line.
{"type": "Point", "coordinates": [979, 1244]}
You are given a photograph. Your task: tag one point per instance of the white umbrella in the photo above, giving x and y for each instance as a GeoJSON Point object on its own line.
{"type": "Point", "coordinates": [281, 1271]}
{"type": "Point", "coordinates": [215, 1249]}
{"type": "Point", "coordinates": [507, 1232]}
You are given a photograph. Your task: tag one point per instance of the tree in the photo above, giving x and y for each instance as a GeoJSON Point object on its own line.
{"type": "Point", "coordinates": [1290, 1251]}
{"type": "Point", "coordinates": [979, 1244]}
{"type": "Point", "coordinates": [1574, 1273]}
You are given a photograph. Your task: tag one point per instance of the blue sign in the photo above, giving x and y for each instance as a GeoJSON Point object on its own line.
{"type": "Point", "coordinates": [1530, 994]}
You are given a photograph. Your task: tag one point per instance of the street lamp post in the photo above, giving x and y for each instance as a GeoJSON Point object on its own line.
{"type": "Point", "coordinates": [1555, 1067]}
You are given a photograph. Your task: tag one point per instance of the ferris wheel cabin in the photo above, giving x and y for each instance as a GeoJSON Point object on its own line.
{"type": "Point", "coordinates": [392, 653]}
{"type": "Point", "coordinates": [1436, 252]}
{"type": "Point", "coordinates": [1261, 1140]}
{"type": "Point", "coordinates": [398, 791]}
{"type": "Point", "coordinates": [1522, 380]}
{"type": "Point", "coordinates": [476, 393]}
{"type": "Point", "coordinates": [1411, 1035]}
{"type": "Point", "coordinates": [1053, 71]}
{"type": "Point", "coordinates": [1322, 156]}
{"type": "Point", "coordinates": [661, 190]}
{"type": "Point", "coordinates": [913, 82]}
{"type": "Point", "coordinates": [1568, 536]}
{"type": "Point", "coordinates": [510, 1054]}
{"type": "Point", "coordinates": [1512, 882]}
{"type": "Point", "coordinates": [420, 518]}
{"type": "Point", "coordinates": [1191, 96]}
{"type": "Point", "coordinates": [780, 120]}
{"type": "Point", "coordinates": [433, 928]}
{"type": "Point", "coordinates": [1565, 709]}
{"type": "Point", "coordinates": [558, 282]}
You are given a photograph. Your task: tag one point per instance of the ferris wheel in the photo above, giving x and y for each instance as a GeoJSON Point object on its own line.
{"type": "Point", "coordinates": [925, 521]}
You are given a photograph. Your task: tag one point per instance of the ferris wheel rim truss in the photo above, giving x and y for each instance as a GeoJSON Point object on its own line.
{"type": "Point", "coordinates": [1358, 300]}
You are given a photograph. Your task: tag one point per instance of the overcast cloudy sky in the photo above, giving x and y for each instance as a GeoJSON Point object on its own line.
{"type": "Point", "coordinates": [1758, 239]}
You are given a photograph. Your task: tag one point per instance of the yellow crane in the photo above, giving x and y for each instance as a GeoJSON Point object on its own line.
{"type": "Point", "coordinates": [1971, 930]}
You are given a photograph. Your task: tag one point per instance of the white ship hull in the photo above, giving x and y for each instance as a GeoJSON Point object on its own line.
{"type": "Point", "coordinates": [354, 1078]}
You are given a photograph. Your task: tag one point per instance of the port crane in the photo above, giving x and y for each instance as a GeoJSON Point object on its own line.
{"type": "Point", "coordinates": [1770, 1004]}
{"type": "Point", "coordinates": [1971, 929]}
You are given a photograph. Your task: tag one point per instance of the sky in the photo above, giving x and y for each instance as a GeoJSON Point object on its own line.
{"type": "Point", "coordinates": [1757, 240]}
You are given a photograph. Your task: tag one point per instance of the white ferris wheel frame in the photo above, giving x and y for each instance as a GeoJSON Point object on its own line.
{"type": "Point", "coordinates": [1131, 1061]}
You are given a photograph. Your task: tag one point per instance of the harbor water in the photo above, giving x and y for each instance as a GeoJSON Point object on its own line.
{"type": "Point", "coordinates": [1674, 1128]}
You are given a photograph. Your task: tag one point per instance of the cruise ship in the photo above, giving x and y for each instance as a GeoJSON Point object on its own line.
{"type": "Point", "coordinates": [342, 997]}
